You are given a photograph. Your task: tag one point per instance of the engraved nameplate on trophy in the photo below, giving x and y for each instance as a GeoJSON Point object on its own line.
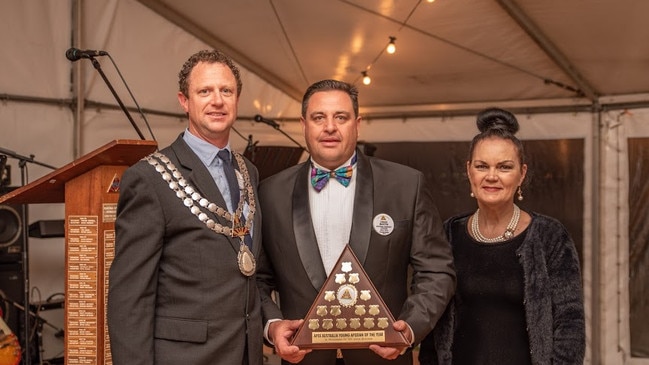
{"type": "Point", "coordinates": [348, 312]}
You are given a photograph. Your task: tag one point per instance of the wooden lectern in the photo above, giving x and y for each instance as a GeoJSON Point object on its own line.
{"type": "Point", "coordinates": [89, 187]}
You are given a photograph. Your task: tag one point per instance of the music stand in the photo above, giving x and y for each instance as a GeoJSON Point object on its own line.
{"type": "Point", "coordinates": [270, 160]}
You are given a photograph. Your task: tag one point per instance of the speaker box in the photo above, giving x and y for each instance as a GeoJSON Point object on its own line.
{"type": "Point", "coordinates": [11, 230]}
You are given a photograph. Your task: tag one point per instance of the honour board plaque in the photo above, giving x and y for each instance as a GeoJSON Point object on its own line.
{"type": "Point", "coordinates": [90, 249]}
{"type": "Point", "coordinates": [89, 187]}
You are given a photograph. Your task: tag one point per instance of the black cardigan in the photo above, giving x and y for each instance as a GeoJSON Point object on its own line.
{"type": "Point", "coordinates": [554, 305]}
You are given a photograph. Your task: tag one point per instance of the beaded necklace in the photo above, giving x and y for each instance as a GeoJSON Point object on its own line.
{"type": "Point", "coordinates": [509, 231]}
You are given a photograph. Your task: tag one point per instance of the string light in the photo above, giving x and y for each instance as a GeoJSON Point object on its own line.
{"type": "Point", "coordinates": [366, 78]}
{"type": "Point", "coordinates": [391, 48]}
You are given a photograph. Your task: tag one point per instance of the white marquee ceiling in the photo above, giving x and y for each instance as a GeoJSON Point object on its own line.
{"type": "Point", "coordinates": [448, 51]}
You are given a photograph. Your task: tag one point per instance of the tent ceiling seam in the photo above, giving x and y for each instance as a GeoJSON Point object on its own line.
{"type": "Point", "coordinates": [534, 32]}
{"type": "Point", "coordinates": [403, 24]}
{"type": "Point", "coordinates": [200, 33]}
{"type": "Point", "coordinates": [290, 44]}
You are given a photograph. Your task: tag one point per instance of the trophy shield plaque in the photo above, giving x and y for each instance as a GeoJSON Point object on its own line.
{"type": "Point", "coordinates": [348, 312]}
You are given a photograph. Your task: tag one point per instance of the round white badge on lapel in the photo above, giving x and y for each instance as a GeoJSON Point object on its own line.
{"type": "Point", "coordinates": [383, 224]}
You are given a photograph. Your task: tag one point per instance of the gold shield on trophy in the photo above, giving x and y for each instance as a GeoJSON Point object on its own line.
{"type": "Point", "coordinates": [348, 312]}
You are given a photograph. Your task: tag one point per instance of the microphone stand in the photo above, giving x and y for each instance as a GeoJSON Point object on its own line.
{"type": "Point", "coordinates": [41, 321]}
{"type": "Point", "coordinates": [35, 315]}
{"type": "Point", "coordinates": [276, 127]}
{"type": "Point", "coordinates": [97, 66]}
{"type": "Point", "coordinates": [250, 148]}
{"type": "Point", "coordinates": [25, 229]}
{"type": "Point", "coordinates": [24, 158]}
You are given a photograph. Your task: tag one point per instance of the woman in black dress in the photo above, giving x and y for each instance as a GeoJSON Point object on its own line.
{"type": "Point", "coordinates": [519, 296]}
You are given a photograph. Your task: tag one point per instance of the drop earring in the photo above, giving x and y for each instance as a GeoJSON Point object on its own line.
{"type": "Point", "coordinates": [520, 194]}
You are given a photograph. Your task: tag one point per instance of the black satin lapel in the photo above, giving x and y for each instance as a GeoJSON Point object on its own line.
{"type": "Point", "coordinates": [197, 175]}
{"type": "Point", "coordinates": [359, 239]}
{"type": "Point", "coordinates": [305, 238]}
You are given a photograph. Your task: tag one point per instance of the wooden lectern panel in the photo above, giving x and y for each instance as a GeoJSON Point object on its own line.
{"type": "Point", "coordinates": [89, 186]}
{"type": "Point", "coordinates": [91, 208]}
{"type": "Point", "coordinates": [90, 211]}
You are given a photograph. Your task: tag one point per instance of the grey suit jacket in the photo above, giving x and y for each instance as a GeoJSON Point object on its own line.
{"type": "Point", "coordinates": [176, 294]}
{"type": "Point", "coordinates": [291, 263]}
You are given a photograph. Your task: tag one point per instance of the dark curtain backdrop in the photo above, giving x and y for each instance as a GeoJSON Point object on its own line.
{"type": "Point", "coordinates": [270, 160]}
{"type": "Point", "coordinates": [638, 245]}
{"type": "Point", "coordinates": [554, 184]}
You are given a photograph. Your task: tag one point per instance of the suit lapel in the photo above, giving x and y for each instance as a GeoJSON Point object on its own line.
{"type": "Point", "coordinates": [305, 238]}
{"type": "Point", "coordinates": [200, 178]}
{"type": "Point", "coordinates": [359, 238]}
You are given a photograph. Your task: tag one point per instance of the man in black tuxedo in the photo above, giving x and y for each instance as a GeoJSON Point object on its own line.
{"type": "Point", "coordinates": [309, 217]}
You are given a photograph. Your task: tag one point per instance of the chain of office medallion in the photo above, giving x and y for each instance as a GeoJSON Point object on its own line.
{"type": "Point", "coordinates": [189, 195]}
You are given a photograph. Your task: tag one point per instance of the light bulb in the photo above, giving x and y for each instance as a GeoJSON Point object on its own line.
{"type": "Point", "coordinates": [366, 78]}
{"type": "Point", "coordinates": [391, 48]}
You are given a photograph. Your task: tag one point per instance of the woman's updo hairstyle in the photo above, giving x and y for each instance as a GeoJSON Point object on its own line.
{"type": "Point", "coordinates": [498, 123]}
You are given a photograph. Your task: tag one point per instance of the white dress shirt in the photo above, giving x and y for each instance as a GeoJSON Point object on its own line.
{"type": "Point", "coordinates": [332, 210]}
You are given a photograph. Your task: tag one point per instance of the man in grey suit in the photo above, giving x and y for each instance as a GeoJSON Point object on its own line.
{"type": "Point", "coordinates": [182, 285]}
{"type": "Point", "coordinates": [312, 210]}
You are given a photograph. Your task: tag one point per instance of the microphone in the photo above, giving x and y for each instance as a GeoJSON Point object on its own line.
{"type": "Point", "coordinates": [74, 54]}
{"type": "Point", "coordinates": [270, 122]}
{"type": "Point", "coordinates": [274, 124]}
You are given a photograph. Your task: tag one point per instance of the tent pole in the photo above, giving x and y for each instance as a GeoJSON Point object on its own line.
{"type": "Point", "coordinates": [77, 80]}
{"type": "Point", "coordinates": [596, 234]}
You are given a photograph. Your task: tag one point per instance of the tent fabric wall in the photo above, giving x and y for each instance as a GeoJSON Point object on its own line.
{"type": "Point", "coordinates": [150, 51]}
{"type": "Point", "coordinates": [617, 127]}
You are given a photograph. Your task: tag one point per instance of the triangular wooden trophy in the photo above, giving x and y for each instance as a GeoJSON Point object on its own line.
{"type": "Point", "coordinates": [348, 312]}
